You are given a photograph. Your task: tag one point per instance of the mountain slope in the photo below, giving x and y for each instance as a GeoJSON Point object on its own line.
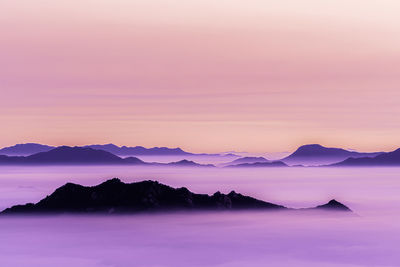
{"type": "Point", "coordinates": [316, 154]}
{"type": "Point", "coordinates": [386, 159]}
{"type": "Point", "coordinates": [25, 149]}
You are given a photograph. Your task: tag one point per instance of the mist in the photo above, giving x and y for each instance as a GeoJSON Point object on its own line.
{"type": "Point", "coordinates": [369, 237]}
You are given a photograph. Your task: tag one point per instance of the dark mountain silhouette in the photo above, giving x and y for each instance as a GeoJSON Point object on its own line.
{"type": "Point", "coordinates": [76, 155]}
{"type": "Point", "coordinates": [333, 205]}
{"type": "Point", "coordinates": [259, 164]}
{"type": "Point", "coordinates": [25, 149]}
{"type": "Point", "coordinates": [386, 159]}
{"type": "Point", "coordinates": [319, 155]}
{"type": "Point", "coordinates": [114, 196]}
{"type": "Point", "coordinates": [70, 155]}
{"type": "Point", "coordinates": [245, 160]}
{"type": "Point", "coordinates": [10, 160]}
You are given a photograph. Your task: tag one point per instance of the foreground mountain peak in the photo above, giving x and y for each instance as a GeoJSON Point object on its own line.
{"type": "Point", "coordinates": [114, 196]}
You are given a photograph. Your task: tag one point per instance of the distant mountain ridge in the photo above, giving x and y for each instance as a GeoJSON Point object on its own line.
{"type": "Point", "coordinates": [33, 148]}
{"type": "Point", "coordinates": [244, 160]}
{"type": "Point", "coordinates": [114, 196]}
{"type": "Point", "coordinates": [139, 150]}
{"type": "Point", "coordinates": [65, 155]}
{"type": "Point", "coordinates": [316, 154]}
{"type": "Point", "coordinates": [69, 155]}
{"type": "Point", "coordinates": [306, 155]}
{"type": "Point", "coordinates": [188, 163]}
{"type": "Point", "coordinates": [386, 159]}
{"type": "Point", "coordinates": [25, 149]}
{"type": "Point", "coordinates": [75, 155]}
{"type": "Point", "coordinates": [259, 164]}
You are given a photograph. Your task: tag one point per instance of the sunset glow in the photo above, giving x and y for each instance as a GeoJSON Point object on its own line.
{"type": "Point", "coordinates": [207, 76]}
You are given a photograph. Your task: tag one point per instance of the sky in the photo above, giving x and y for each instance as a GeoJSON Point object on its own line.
{"type": "Point", "coordinates": [207, 76]}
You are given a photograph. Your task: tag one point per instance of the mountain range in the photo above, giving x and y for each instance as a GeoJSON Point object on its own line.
{"type": "Point", "coordinates": [307, 155]}
{"type": "Point", "coordinates": [114, 196]}
{"type": "Point", "coordinates": [139, 150]}
{"type": "Point", "coordinates": [83, 156]}
{"type": "Point", "coordinates": [33, 148]}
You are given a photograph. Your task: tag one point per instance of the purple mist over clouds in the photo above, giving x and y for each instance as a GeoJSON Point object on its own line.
{"type": "Point", "coordinates": [202, 239]}
{"type": "Point", "coordinates": [211, 239]}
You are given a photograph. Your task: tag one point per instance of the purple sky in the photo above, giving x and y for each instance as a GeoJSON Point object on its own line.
{"type": "Point", "coordinates": [204, 75]}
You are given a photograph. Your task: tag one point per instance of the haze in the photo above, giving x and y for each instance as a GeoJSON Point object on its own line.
{"type": "Point", "coordinates": [370, 237]}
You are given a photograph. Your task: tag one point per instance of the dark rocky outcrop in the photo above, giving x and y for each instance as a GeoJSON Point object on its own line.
{"type": "Point", "coordinates": [114, 196]}
{"type": "Point", "coordinates": [333, 205]}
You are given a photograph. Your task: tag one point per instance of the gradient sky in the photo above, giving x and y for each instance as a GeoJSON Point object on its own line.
{"type": "Point", "coordinates": [206, 75]}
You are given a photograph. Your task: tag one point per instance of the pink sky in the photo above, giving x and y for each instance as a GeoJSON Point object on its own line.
{"type": "Point", "coordinates": [203, 75]}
